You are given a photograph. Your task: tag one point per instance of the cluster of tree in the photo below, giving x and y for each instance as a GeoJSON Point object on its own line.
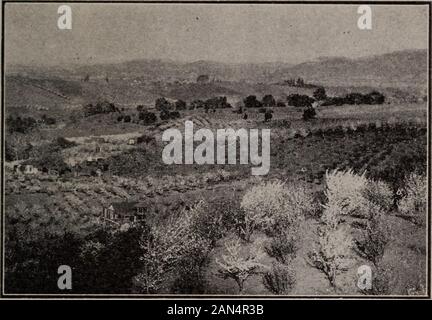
{"type": "Point", "coordinates": [21, 125]}
{"type": "Point", "coordinates": [145, 139]}
{"type": "Point", "coordinates": [17, 148]}
{"type": "Point", "coordinates": [105, 259]}
{"type": "Point", "coordinates": [102, 260]}
{"type": "Point", "coordinates": [48, 120]}
{"type": "Point", "coordinates": [50, 160]}
{"type": "Point", "coordinates": [124, 118]}
{"type": "Point", "coordinates": [147, 117]}
{"type": "Point", "coordinates": [163, 104]}
{"type": "Point", "coordinates": [50, 151]}
{"type": "Point", "coordinates": [300, 100]}
{"type": "Point", "coordinates": [99, 108]}
{"type": "Point", "coordinates": [46, 156]}
{"type": "Point", "coordinates": [166, 115]}
{"type": "Point", "coordinates": [404, 158]}
{"type": "Point", "coordinates": [268, 101]}
{"type": "Point", "coordinates": [309, 114]}
{"type": "Point", "coordinates": [299, 82]}
{"type": "Point", "coordinates": [252, 102]}
{"type": "Point", "coordinates": [216, 103]}
{"type": "Point", "coordinates": [196, 104]}
{"type": "Point", "coordinates": [320, 94]}
{"type": "Point", "coordinates": [26, 124]}
{"type": "Point", "coordinates": [373, 97]}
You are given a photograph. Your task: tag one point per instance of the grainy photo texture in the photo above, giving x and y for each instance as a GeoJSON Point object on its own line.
{"type": "Point", "coordinates": [215, 149]}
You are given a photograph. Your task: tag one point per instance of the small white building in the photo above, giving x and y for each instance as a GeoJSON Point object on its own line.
{"type": "Point", "coordinates": [29, 169]}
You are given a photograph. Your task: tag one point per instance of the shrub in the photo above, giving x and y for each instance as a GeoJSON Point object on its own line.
{"type": "Point", "coordinates": [373, 243]}
{"type": "Point", "coordinates": [189, 277]}
{"type": "Point", "coordinates": [99, 108]}
{"type": "Point", "coordinates": [280, 279]}
{"type": "Point", "coordinates": [180, 105]}
{"type": "Point", "coordinates": [271, 201]}
{"type": "Point", "coordinates": [215, 220]}
{"type": "Point", "coordinates": [404, 158]}
{"type": "Point", "coordinates": [374, 97]}
{"type": "Point", "coordinates": [164, 115]}
{"type": "Point", "coordinates": [379, 193]}
{"type": "Point", "coordinates": [196, 104]}
{"type": "Point", "coordinates": [331, 253]}
{"type": "Point", "coordinates": [284, 245]}
{"type": "Point", "coordinates": [299, 100]}
{"type": "Point", "coordinates": [51, 239]}
{"type": "Point", "coordinates": [216, 103]}
{"type": "Point", "coordinates": [320, 94]}
{"type": "Point", "coordinates": [413, 204]}
{"type": "Point", "coordinates": [239, 265]}
{"type": "Point", "coordinates": [147, 117]}
{"type": "Point", "coordinates": [354, 98]}
{"type": "Point", "coordinates": [309, 114]}
{"type": "Point", "coordinates": [268, 115]}
{"type": "Point", "coordinates": [280, 104]}
{"type": "Point", "coordinates": [252, 102]}
{"type": "Point", "coordinates": [145, 139]}
{"type": "Point", "coordinates": [21, 125]}
{"type": "Point", "coordinates": [333, 101]}
{"type": "Point", "coordinates": [51, 161]}
{"type": "Point", "coordinates": [169, 243]}
{"type": "Point", "coordinates": [268, 101]}
{"type": "Point", "coordinates": [174, 115]}
{"type": "Point", "coordinates": [345, 192]}
{"type": "Point", "coordinates": [162, 104]}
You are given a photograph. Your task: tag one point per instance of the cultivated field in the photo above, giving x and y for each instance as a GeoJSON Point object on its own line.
{"type": "Point", "coordinates": [214, 229]}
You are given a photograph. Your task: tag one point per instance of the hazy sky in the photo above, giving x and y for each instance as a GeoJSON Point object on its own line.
{"type": "Point", "coordinates": [227, 33]}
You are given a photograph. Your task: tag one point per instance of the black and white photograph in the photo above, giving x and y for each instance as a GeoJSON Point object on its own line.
{"type": "Point", "coordinates": [215, 149]}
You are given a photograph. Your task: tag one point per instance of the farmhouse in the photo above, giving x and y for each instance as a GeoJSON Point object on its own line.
{"type": "Point", "coordinates": [123, 212]}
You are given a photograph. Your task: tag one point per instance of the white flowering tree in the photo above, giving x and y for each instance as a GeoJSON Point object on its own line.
{"type": "Point", "coordinates": [270, 204]}
{"type": "Point", "coordinates": [413, 203]}
{"type": "Point", "coordinates": [345, 196]}
{"type": "Point", "coordinates": [380, 193]}
{"type": "Point", "coordinates": [330, 255]}
{"type": "Point", "coordinates": [345, 191]}
{"type": "Point", "coordinates": [167, 244]}
{"type": "Point", "coordinates": [238, 264]}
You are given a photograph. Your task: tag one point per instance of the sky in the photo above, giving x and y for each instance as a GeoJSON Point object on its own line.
{"type": "Point", "coordinates": [230, 33]}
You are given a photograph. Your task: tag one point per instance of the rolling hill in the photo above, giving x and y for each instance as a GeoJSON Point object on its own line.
{"type": "Point", "coordinates": [142, 81]}
{"type": "Point", "coordinates": [396, 69]}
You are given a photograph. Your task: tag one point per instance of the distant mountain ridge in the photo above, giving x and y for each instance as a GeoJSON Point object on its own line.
{"type": "Point", "coordinates": [400, 68]}
{"type": "Point", "coordinates": [408, 67]}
